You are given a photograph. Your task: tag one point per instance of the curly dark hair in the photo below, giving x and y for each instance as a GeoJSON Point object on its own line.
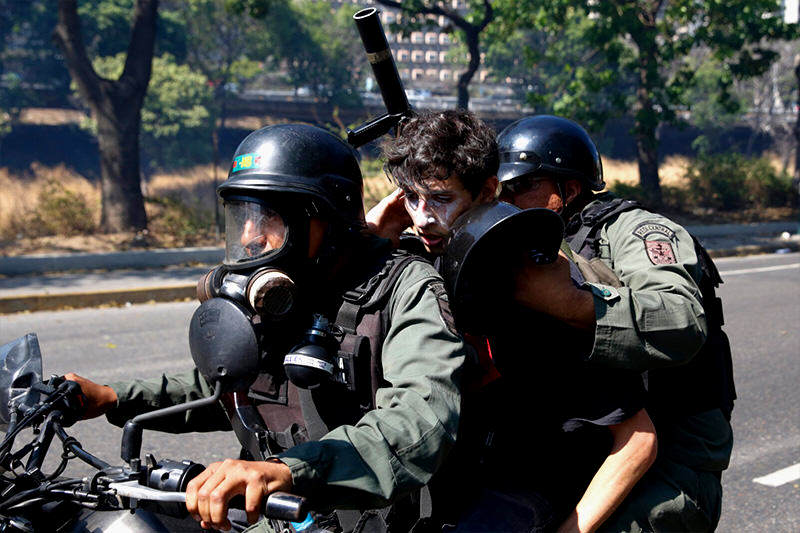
{"type": "Point", "coordinates": [440, 145]}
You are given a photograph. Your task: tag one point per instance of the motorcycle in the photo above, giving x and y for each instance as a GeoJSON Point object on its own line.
{"type": "Point", "coordinates": [138, 496]}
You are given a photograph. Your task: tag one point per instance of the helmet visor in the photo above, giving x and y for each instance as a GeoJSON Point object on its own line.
{"type": "Point", "coordinates": [252, 231]}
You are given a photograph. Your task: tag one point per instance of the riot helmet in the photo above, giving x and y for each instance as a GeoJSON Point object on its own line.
{"type": "Point", "coordinates": [485, 242]}
{"type": "Point", "coordinates": [283, 180]}
{"type": "Point", "coordinates": [281, 176]}
{"type": "Point", "coordinates": [552, 146]}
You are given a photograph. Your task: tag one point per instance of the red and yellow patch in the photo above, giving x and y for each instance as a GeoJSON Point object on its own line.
{"type": "Point", "coordinates": [660, 252]}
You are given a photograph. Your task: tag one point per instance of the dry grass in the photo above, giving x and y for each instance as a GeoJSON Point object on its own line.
{"type": "Point", "coordinates": [189, 194]}
{"type": "Point", "coordinates": [21, 194]}
{"type": "Point", "coordinates": [43, 116]}
{"type": "Point", "coordinates": [670, 172]}
{"type": "Point", "coordinates": [193, 186]}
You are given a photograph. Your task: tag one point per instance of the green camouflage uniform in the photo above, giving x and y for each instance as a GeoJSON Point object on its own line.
{"type": "Point", "coordinates": [394, 448]}
{"type": "Point", "coordinates": [655, 320]}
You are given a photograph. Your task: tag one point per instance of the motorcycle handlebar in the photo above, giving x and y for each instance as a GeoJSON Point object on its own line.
{"type": "Point", "coordinates": [278, 505]}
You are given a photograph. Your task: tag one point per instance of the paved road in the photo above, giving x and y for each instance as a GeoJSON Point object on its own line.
{"type": "Point", "coordinates": [762, 304]}
{"type": "Point", "coordinates": [761, 295]}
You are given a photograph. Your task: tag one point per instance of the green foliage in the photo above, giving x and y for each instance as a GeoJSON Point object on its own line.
{"type": "Point", "coordinates": [318, 48]}
{"type": "Point", "coordinates": [59, 212]}
{"type": "Point", "coordinates": [28, 57]}
{"type": "Point", "coordinates": [615, 56]}
{"type": "Point", "coordinates": [106, 28]}
{"type": "Point", "coordinates": [731, 181]}
{"type": "Point", "coordinates": [176, 123]}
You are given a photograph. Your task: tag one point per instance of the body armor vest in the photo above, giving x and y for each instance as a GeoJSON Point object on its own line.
{"type": "Point", "coordinates": [293, 415]}
{"type": "Point", "coordinates": [705, 382]}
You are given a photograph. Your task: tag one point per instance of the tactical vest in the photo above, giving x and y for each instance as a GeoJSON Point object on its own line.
{"type": "Point", "coordinates": [294, 415]}
{"type": "Point", "coordinates": [706, 381]}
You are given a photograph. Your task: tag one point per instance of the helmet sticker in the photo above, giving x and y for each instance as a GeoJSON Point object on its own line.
{"type": "Point", "coordinates": [245, 161]}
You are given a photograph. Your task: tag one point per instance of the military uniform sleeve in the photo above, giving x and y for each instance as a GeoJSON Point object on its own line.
{"type": "Point", "coordinates": [396, 447]}
{"type": "Point", "coordinates": [656, 318]}
{"type": "Point", "coordinates": [141, 396]}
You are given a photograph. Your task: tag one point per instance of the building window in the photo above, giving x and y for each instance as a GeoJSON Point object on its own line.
{"type": "Point", "coordinates": [416, 37]}
{"type": "Point", "coordinates": [431, 56]}
{"type": "Point", "coordinates": [404, 74]}
{"type": "Point", "coordinates": [444, 75]}
{"type": "Point", "coordinates": [430, 38]}
{"type": "Point", "coordinates": [402, 55]}
{"type": "Point", "coordinates": [416, 56]}
{"type": "Point", "coordinates": [417, 74]}
{"type": "Point", "coordinates": [444, 38]}
{"type": "Point", "coordinates": [442, 57]}
{"type": "Point", "coordinates": [388, 17]}
{"type": "Point", "coordinates": [431, 73]}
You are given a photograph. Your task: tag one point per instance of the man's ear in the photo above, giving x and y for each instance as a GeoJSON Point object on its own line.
{"type": "Point", "coordinates": [489, 191]}
{"type": "Point", "coordinates": [572, 188]}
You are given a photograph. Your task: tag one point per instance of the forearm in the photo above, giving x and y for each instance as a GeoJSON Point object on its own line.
{"type": "Point", "coordinates": [633, 451]}
{"type": "Point", "coordinates": [141, 396]}
{"type": "Point", "coordinates": [549, 289]}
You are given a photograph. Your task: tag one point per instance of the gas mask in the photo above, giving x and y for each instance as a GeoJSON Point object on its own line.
{"type": "Point", "coordinates": [254, 306]}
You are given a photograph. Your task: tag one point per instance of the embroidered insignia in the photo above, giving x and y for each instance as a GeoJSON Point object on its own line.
{"type": "Point", "coordinates": [645, 229]}
{"type": "Point", "coordinates": [660, 252]}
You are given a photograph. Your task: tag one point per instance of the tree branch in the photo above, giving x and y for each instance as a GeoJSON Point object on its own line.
{"type": "Point", "coordinates": [139, 60]}
{"type": "Point", "coordinates": [67, 35]}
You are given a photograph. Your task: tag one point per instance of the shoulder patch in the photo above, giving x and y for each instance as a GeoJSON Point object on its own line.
{"type": "Point", "coordinates": [438, 290]}
{"type": "Point", "coordinates": [645, 229]}
{"type": "Point", "coordinates": [660, 252]}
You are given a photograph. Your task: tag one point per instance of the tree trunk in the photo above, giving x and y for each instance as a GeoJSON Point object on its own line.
{"type": "Point", "coordinates": [116, 107]}
{"type": "Point", "coordinates": [647, 117]}
{"type": "Point", "coordinates": [474, 62]}
{"type": "Point", "coordinates": [118, 140]}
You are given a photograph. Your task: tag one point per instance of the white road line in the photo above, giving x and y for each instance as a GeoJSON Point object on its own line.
{"type": "Point", "coordinates": [758, 269]}
{"type": "Point", "coordinates": [784, 475]}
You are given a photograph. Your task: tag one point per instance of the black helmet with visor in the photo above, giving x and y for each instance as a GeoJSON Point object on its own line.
{"type": "Point", "coordinates": [282, 176]}
{"type": "Point", "coordinates": [546, 145]}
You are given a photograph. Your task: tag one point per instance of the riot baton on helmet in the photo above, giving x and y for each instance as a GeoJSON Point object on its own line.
{"type": "Point", "coordinates": [385, 70]}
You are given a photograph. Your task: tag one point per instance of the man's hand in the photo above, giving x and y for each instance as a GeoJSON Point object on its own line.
{"type": "Point", "coordinates": [208, 494]}
{"type": "Point", "coordinates": [100, 398]}
{"type": "Point", "coordinates": [549, 289]}
{"type": "Point", "coordinates": [389, 217]}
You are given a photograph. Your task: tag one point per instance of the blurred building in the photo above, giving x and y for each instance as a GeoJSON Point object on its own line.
{"type": "Point", "coordinates": [422, 57]}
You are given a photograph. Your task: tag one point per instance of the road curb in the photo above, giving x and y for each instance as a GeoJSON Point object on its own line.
{"type": "Point", "coordinates": [25, 265]}
{"type": "Point", "coordinates": [76, 300]}
{"type": "Point", "coordinates": [753, 249]}
{"type": "Point", "coordinates": [188, 291]}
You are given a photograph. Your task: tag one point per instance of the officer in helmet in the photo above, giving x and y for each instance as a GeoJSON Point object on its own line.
{"type": "Point", "coordinates": [356, 360]}
{"type": "Point", "coordinates": [543, 440]}
{"type": "Point", "coordinates": [651, 308]}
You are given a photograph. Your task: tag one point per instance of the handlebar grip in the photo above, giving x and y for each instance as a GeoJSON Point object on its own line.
{"type": "Point", "coordinates": [279, 505]}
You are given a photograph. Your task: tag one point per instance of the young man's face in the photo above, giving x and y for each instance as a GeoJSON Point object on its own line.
{"type": "Point", "coordinates": [434, 207]}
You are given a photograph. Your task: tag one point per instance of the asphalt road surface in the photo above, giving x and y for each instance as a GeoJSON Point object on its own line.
{"type": "Point", "coordinates": [761, 297]}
